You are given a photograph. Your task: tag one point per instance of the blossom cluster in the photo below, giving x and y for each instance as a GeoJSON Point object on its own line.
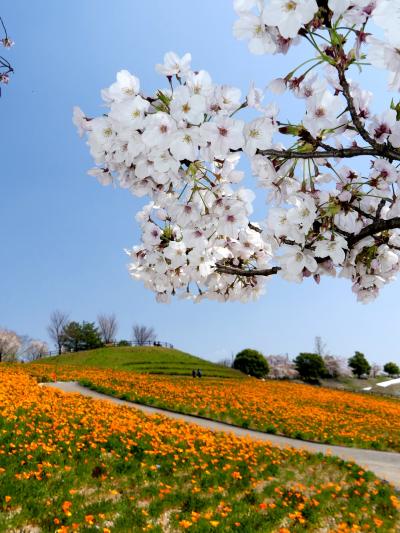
{"type": "Point", "coordinates": [5, 67]}
{"type": "Point", "coordinates": [182, 146]}
{"type": "Point", "coordinates": [10, 344]}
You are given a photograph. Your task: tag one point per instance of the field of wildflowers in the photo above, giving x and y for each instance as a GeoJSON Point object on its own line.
{"type": "Point", "coordinates": [281, 407]}
{"type": "Point", "coordinates": [69, 463]}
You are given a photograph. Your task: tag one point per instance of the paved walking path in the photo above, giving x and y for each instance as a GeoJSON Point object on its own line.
{"type": "Point", "coordinates": [385, 465]}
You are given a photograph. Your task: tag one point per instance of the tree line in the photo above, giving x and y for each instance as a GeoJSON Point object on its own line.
{"type": "Point", "coordinates": [310, 367]}
{"type": "Point", "coordinates": [70, 336]}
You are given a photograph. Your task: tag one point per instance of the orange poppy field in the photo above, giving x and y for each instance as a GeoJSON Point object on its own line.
{"type": "Point", "coordinates": [282, 407]}
{"type": "Point", "coordinates": [70, 463]}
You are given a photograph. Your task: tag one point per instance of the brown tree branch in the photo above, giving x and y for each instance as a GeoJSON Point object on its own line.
{"type": "Point", "coordinates": [372, 229]}
{"type": "Point", "coordinates": [353, 113]}
{"type": "Point", "coordinates": [236, 271]}
{"type": "Point", "coordinates": [361, 212]}
{"type": "Point", "coordinates": [328, 154]}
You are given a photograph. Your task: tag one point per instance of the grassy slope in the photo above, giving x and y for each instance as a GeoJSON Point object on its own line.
{"type": "Point", "coordinates": [78, 464]}
{"type": "Point", "coordinates": [357, 385]}
{"type": "Point", "coordinates": [148, 359]}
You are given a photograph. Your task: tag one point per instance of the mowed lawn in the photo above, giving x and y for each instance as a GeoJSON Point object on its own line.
{"type": "Point", "coordinates": [73, 464]}
{"type": "Point", "coordinates": [146, 359]}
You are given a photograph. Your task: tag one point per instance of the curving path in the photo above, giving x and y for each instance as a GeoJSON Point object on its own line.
{"type": "Point", "coordinates": [385, 465]}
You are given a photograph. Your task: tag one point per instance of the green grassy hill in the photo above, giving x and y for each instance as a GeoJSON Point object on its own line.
{"type": "Point", "coordinates": [147, 359]}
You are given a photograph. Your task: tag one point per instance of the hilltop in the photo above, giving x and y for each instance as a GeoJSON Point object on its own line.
{"type": "Point", "coordinates": [146, 359]}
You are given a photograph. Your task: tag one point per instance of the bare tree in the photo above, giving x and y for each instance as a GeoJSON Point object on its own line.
{"type": "Point", "coordinates": [108, 327]}
{"type": "Point", "coordinates": [58, 321]}
{"type": "Point", "coordinates": [143, 335]}
{"type": "Point", "coordinates": [227, 362]}
{"type": "Point", "coordinates": [10, 345]}
{"type": "Point", "coordinates": [36, 349]}
{"type": "Point", "coordinates": [320, 347]}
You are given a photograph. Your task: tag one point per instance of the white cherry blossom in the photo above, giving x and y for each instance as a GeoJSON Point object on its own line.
{"type": "Point", "coordinates": [332, 246]}
{"type": "Point", "coordinates": [252, 28]}
{"type": "Point", "coordinates": [223, 134]}
{"type": "Point", "coordinates": [258, 135]}
{"type": "Point", "coordinates": [125, 87]}
{"type": "Point", "coordinates": [289, 15]}
{"type": "Point", "coordinates": [187, 106]}
{"type": "Point", "coordinates": [174, 65]}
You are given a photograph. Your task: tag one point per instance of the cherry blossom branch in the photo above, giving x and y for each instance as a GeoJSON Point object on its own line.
{"type": "Point", "coordinates": [361, 212]}
{"type": "Point", "coordinates": [372, 229]}
{"type": "Point", "coordinates": [353, 113]}
{"type": "Point", "coordinates": [184, 145]}
{"type": "Point", "coordinates": [222, 269]}
{"type": "Point", "coordinates": [5, 66]}
{"type": "Point", "coordinates": [328, 154]}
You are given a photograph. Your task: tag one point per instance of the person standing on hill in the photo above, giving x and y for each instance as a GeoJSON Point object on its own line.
{"type": "Point", "coordinates": [199, 373]}
{"type": "Point", "coordinates": [193, 373]}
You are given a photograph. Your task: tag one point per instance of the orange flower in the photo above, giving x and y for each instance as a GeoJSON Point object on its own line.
{"type": "Point", "coordinates": [66, 506]}
{"type": "Point", "coordinates": [395, 502]}
{"type": "Point", "coordinates": [185, 524]}
{"type": "Point", "coordinates": [89, 519]}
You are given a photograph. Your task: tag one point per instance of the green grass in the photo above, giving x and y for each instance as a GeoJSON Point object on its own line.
{"type": "Point", "coordinates": [144, 359]}
{"type": "Point", "coordinates": [69, 463]}
{"type": "Point", "coordinates": [354, 384]}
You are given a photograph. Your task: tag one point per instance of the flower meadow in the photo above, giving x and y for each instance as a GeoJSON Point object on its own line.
{"type": "Point", "coordinates": [300, 411]}
{"type": "Point", "coordinates": [69, 463]}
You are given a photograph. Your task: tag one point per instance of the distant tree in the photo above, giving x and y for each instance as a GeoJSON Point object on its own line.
{"type": "Point", "coordinates": [392, 369]}
{"type": "Point", "coordinates": [251, 362]}
{"type": "Point", "coordinates": [91, 336]}
{"type": "Point", "coordinates": [333, 366]}
{"type": "Point", "coordinates": [84, 336]}
{"type": "Point", "coordinates": [143, 334]}
{"type": "Point", "coordinates": [310, 366]}
{"type": "Point", "coordinates": [10, 344]}
{"type": "Point", "coordinates": [359, 365]}
{"type": "Point", "coordinates": [320, 347]}
{"type": "Point", "coordinates": [36, 349]}
{"type": "Point", "coordinates": [375, 369]}
{"type": "Point", "coordinates": [71, 338]}
{"type": "Point", "coordinates": [227, 362]}
{"type": "Point", "coordinates": [108, 327]}
{"type": "Point", "coordinates": [281, 367]}
{"type": "Point", "coordinates": [58, 321]}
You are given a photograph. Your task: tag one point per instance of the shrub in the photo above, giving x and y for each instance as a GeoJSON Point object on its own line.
{"type": "Point", "coordinates": [123, 342]}
{"type": "Point", "coordinates": [392, 369]}
{"type": "Point", "coordinates": [310, 366]}
{"type": "Point", "coordinates": [359, 365]}
{"type": "Point", "coordinates": [251, 362]}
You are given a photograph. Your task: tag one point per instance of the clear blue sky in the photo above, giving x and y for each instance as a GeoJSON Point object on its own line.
{"type": "Point", "coordinates": [62, 235]}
